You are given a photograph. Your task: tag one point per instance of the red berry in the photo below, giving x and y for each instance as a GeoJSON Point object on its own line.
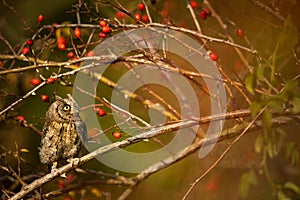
{"type": "Point", "coordinates": [206, 11]}
{"type": "Point", "coordinates": [74, 59]}
{"type": "Point", "coordinates": [61, 43]}
{"type": "Point", "coordinates": [141, 6]}
{"type": "Point", "coordinates": [25, 50]}
{"type": "Point", "coordinates": [193, 4]}
{"type": "Point", "coordinates": [106, 29]}
{"type": "Point", "coordinates": [240, 33]}
{"type": "Point", "coordinates": [203, 14]}
{"type": "Point", "coordinates": [91, 53]}
{"type": "Point", "coordinates": [100, 112]}
{"type": "Point", "coordinates": [77, 32]}
{"type": "Point", "coordinates": [145, 19]}
{"type": "Point", "coordinates": [61, 46]}
{"type": "Point", "coordinates": [70, 178]}
{"type": "Point", "coordinates": [61, 40]}
{"type": "Point", "coordinates": [213, 56]}
{"type": "Point", "coordinates": [50, 80]}
{"type": "Point", "coordinates": [102, 35]}
{"type": "Point", "coordinates": [117, 134]}
{"type": "Point", "coordinates": [1, 63]}
{"type": "Point", "coordinates": [45, 98]}
{"type": "Point", "coordinates": [61, 184]}
{"type": "Point", "coordinates": [102, 23]}
{"type": "Point", "coordinates": [68, 198]}
{"type": "Point", "coordinates": [41, 18]}
{"type": "Point", "coordinates": [120, 15]}
{"type": "Point", "coordinates": [29, 42]}
{"type": "Point", "coordinates": [20, 118]}
{"type": "Point", "coordinates": [211, 185]}
{"type": "Point", "coordinates": [165, 12]}
{"type": "Point", "coordinates": [137, 17]}
{"type": "Point", "coordinates": [96, 110]}
{"type": "Point", "coordinates": [71, 54]}
{"type": "Point", "coordinates": [35, 81]}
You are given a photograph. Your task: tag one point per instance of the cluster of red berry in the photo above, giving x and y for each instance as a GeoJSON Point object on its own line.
{"type": "Point", "coordinates": [44, 97]}
{"type": "Point", "coordinates": [63, 182]}
{"type": "Point", "coordinates": [105, 29]}
{"type": "Point", "coordinates": [37, 81]}
{"type": "Point", "coordinates": [62, 41]}
{"type": "Point", "coordinates": [138, 17]}
{"type": "Point", "coordinates": [204, 13]}
{"type": "Point", "coordinates": [26, 50]}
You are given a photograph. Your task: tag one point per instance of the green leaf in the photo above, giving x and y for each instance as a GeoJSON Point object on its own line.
{"type": "Point", "coordinates": [296, 104]}
{"type": "Point", "coordinates": [247, 179]}
{"type": "Point", "coordinates": [244, 188]}
{"type": "Point", "coordinates": [288, 36]}
{"type": "Point", "coordinates": [258, 143]}
{"type": "Point", "coordinates": [281, 195]}
{"type": "Point", "coordinates": [276, 105]}
{"type": "Point", "coordinates": [267, 119]}
{"type": "Point", "coordinates": [292, 153]}
{"type": "Point", "coordinates": [255, 108]}
{"type": "Point", "coordinates": [260, 72]}
{"type": "Point", "coordinates": [295, 157]}
{"type": "Point", "coordinates": [287, 92]}
{"type": "Point", "coordinates": [280, 135]}
{"type": "Point", "coordinates": [270, 149]}
{"type": "Point", "coordinates": [292, 186]}
{"type": "Point", "coordinates": [250, 83]}
{"type": "Point", "coordinates": [290, 85]}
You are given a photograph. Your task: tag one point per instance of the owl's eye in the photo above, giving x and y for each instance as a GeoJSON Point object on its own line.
{"type": "Point", "coordinates": [67, 107]}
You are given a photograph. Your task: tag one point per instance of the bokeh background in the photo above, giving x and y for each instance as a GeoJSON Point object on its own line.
{"type": "Point", "coordinates": [262, 30]}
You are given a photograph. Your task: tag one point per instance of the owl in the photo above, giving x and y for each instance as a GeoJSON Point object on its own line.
{"type": "Point", "coordinates": [62, 132]}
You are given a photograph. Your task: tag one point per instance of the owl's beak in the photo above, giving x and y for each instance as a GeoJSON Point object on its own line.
{"type": "Point", "coordinates": [75, 105]}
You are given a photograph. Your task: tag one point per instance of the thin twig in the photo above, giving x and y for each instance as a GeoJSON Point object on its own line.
{"type": "Point", "coordinates": [268, 9]}
{"type": "Point", "coordinates": [196, 22]}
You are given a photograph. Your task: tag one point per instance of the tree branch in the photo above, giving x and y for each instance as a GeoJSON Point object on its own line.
{"type": "Point", "coordinates": [76, 162]}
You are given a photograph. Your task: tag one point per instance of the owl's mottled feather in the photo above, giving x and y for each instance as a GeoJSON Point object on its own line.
{"type": "Point", "coordinates": [62, 132]}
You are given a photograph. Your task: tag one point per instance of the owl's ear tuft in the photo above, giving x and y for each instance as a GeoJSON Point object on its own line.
{"type": "Point", "coordinates": [70, 97]}
{"type": "Point", "coordinates": [58, 98]}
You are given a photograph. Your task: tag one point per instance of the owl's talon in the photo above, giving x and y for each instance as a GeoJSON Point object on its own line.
{"type": "Point", "coordinates": [53, 168]}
